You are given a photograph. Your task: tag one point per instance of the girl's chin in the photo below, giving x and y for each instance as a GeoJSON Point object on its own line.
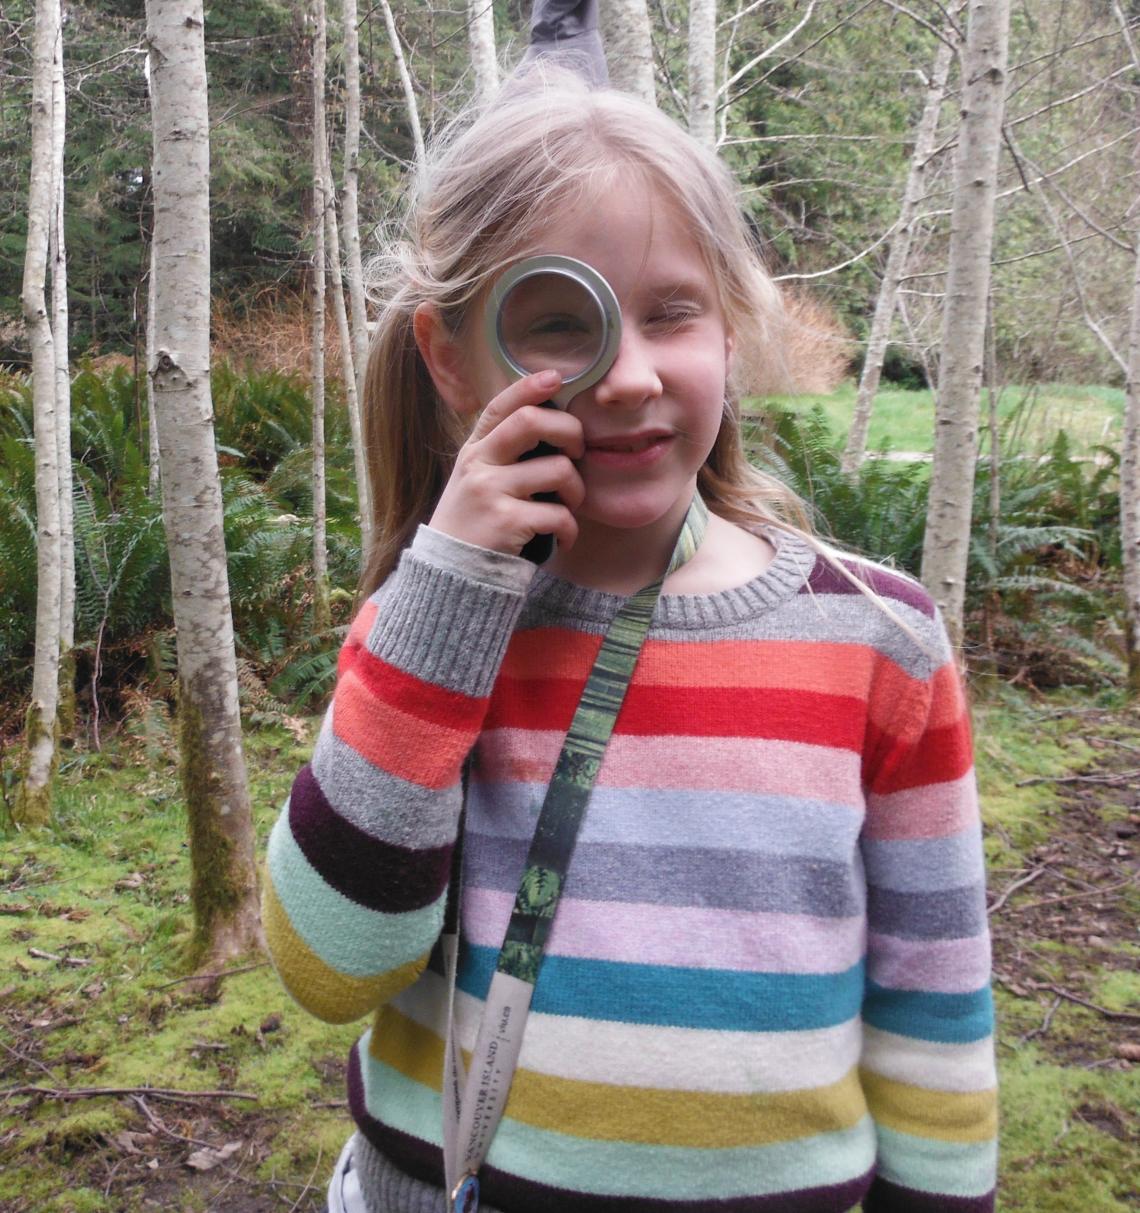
{"type": "Point", "coordinates": [615, 511]}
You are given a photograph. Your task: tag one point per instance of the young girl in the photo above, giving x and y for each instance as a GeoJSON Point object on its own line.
{"type": "Point", "coordinates": [766, 983]}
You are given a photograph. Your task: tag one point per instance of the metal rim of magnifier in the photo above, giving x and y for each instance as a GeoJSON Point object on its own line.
{"type": "Point", "coordinates": [586, 277]}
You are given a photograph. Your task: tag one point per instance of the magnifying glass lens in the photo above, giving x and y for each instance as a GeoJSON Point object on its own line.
{"type": "Point", "coordinates": [549, 321]}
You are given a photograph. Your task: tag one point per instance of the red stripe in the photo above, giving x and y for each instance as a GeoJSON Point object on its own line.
{"type": "Point", "coordinates": [939, 756]}
{"type": "Point", "coordinates": [837, 721]}
{"type": "Point", "coordinates": [413, 696]}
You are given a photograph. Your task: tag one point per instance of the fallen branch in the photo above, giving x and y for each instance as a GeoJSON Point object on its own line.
{"type": "Point", "coordinates": [1083, 1002]}
{"type": "Point", "coordinates": [1017, 884]}
{"type": "Point", "coordinates": [75, 962]}
{"type": "Point", "coordinates": [172, 1093]}
{"type": "Point", "coordinates": [179, 981]}
{"type": "Point", "coordinates": [1109, 780]}
{"type": "Point", "coordinates": [1045, 1023]}
{"type": "Point", "coordinates": [1053, 901]}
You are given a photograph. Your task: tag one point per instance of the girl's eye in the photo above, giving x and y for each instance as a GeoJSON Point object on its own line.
{"type": "Point", "coordinates": [669, 318]}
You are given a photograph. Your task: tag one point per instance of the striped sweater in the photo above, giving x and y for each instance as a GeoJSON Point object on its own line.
{"type": "Point", "coordinates": [767, 984]}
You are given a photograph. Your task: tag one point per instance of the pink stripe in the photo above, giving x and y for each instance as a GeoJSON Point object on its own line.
{"type": "Point", "coordinates": [935, 811]}
{"type": "Point", "coordinates": [938, 966]}
{"type": "Point", "coordinates": [720, 764]}
{"type": "Point", "coordinates": [688, 936]}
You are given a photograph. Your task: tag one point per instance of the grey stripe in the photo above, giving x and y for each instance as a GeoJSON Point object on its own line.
{"type": "Point", "coordinates": [926, 864]}
{"type": "Point", "coordinates": [383, 805]}
{"type": "Point", "coordinates": [680, 876]}
{"type": "Point", "coordinates": [494, 569]}
{"type": "Point", "coordinates": [945, 914]}
{"type": "Point", "coordinates": [442, 627]}
{"type": "Point", "coordinates": [776, 825]}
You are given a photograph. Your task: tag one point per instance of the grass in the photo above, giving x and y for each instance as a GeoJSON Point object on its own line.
{"type": "Point", "coordinates": [903, 420]}
{"type": "Point", "coordinates": [106, 884]}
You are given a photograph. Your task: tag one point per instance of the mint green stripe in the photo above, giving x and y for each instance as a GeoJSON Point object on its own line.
{"type": "Point", "coordinates": [948, 1167]}
{"type": "Point", "coordinates": [349, 937]}
{"type": "Point", "coordinates": [625, 1168]}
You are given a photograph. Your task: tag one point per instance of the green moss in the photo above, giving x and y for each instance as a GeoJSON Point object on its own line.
{"type": "Point", "coordinates": [1119, 991]}
{"type": "Point", "coordinates": [32, 806]}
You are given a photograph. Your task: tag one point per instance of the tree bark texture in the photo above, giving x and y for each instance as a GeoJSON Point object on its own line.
{"type": "Point", "coordinates": [321, 619]}
{"type": "Point", "coordinates": [946, 546]}
{"type": "Point", "coordinates": [60, 343]}
{"type": "Point", "coordinates": [481, 46]}
{"type": "Point", "coordinates": [406, 80]}
{"type": "Point", "coordinates": [915, 188]}
{"type": "Point", "coordinates": [33, 795]}
{"type": "Point", "coordinates": [629, 48]}
{"type": "Point", "coordinates": [223, 881]}
{"type": "Point", "coordinates": [702, 71]}
{"type": "Point", "coordinates": [350, 212]}
{"type": "Point", "coordinates": [1130, 487]}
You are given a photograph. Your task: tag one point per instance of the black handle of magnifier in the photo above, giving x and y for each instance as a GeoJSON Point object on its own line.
{"type": "Point", "coordinates": [538, 549]}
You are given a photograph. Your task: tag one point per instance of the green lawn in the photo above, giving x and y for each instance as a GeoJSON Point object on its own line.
{"type": "Point", "coordinates": [904, 420]}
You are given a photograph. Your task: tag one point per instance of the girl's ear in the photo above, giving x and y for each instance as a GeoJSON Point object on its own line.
{"type": "Point", "coordinates": [445, 360]}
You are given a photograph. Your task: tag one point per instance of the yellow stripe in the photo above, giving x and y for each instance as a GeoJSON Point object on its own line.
{"type": "Point", "coordinates": [959, 1116]}
{"type": "Point", "coordinates": [332, 996]}
{"type": "Point", "coordinates": [636, 1114]}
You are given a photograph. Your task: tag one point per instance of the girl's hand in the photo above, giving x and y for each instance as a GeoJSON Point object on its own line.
{"type": "Point", "coordinates": [487, 499]}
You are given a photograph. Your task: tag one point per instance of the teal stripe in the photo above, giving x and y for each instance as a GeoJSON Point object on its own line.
{"type": "Point", "coordinates": [947, 1167]}
{"type": "Point", "coordinates": [672, 996]}
{"type": "Point", "coordinates": [629, 1168]}
{"type": "Point", "coordinates": [349, 937]}
{"type": "Point", "coordinates": [952, 1019]}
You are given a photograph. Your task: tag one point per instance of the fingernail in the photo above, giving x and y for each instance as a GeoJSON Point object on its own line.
{"type": "Point", "coordinates": [549, 379]}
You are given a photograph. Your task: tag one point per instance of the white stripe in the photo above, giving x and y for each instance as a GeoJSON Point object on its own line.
{"type": "Point", "coordinates": [646, 1055]}
{"type": "Point", "coordinates": [928, 1064]}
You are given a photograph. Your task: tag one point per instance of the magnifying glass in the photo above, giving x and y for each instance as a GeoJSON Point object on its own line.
{"type": "Point", "coordinates": [553, 313]}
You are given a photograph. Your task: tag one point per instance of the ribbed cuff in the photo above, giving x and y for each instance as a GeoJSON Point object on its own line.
{"type": "Point", "coordinates": [386, 1189]}
{"type": "Point", "coordinates": [443, 627]}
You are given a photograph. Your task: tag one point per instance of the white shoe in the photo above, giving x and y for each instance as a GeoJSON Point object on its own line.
{"type": "Point", "coordinates": [344, 1187]}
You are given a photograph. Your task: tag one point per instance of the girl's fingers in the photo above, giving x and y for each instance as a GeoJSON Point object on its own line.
{"type": "Point", "coordinates": [522, 430]}
{"type": "Point", "coordinates": [532, 389]}
{"type": "Point", "coordinates": [546, 474]}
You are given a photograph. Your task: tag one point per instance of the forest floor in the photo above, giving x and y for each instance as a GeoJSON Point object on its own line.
{"type": "Point", "coordinates": [124, 1088]}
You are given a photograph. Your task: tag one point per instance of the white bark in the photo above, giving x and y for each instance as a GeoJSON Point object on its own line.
{"type": "Point", "coordinates": [350, 214]}
{"type": "Point", "coordinates": [354, 272]}
{"type": "Point", "coordinates": [153, 461]}
{"type": "Point", "coordinates": [33, 797]}
{"type": "Point", "coordinates": [406, 80]}
{"type": "Point", "coordinates": [60, 345]}
{"type": "Point", "coordinates": [629, 48]}
{"type": "Point", "coordinates": [702, 71]}
{"type": "Point", "coordinates": [481, 46]}
{"type": "Point", "coordinates": [915, 189]}
{"type": "Point", "coordinates": [223, 873]}
{"type": "Point", "coordinates": [1130, 488]}
{"type": "Point", "coordinates": [946, 547]}
{"type": "Point", "coordinates": [320, 207]}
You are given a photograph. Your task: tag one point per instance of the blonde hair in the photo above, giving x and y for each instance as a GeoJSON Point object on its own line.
{"type": "Point", "coordinates": [488, 194]}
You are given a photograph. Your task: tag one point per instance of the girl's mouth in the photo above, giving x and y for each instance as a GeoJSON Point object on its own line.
{"type": "Point", "coordinates": [634, 451]}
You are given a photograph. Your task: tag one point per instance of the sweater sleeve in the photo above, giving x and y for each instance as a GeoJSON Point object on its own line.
{"type": "Point", "coordinates": [359, 860]}
{"type": "Point", "coordinates": [927, 1064]}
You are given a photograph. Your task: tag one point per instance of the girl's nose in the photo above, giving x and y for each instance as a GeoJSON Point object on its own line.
{"type": "Point", "coordinates": [633, 377]}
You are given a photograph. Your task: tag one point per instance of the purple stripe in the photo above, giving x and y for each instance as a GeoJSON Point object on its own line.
{"type": "Point", "coordinates": [424, 1161]}
{"type": "Point", "coordinates": [375, 874]}
{"type": "Point", "coordinates": [886, 1197]}
{"type": "Point", "coordinates": [825, 580]}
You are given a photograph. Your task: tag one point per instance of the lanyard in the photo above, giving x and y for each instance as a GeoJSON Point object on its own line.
{"type": "Point", "coordinates": [473, 1101]}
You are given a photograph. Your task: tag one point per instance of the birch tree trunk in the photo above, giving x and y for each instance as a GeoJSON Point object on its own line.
{"type": "Point", "coordinates": [153, 459]}
{"type": "Point", "coordinates": [629, 48]}
{"type": "Point", "coordinates": [354, 271]}
{"type": "Point", "coordinates": [481, 47]}
{"type": "Point", "coordinates": [702, 71]}
{"type": "Point", "coordinates": [1130, 491]}
{"type": "Point", "coordinates": [223, 880]}
{"type": "Point", "coordinates": [946, 546]}
{"type": "Point", "coordinates": [406, 80]}
{"type": "Point", "coordinates": [60, 345]}
{"type": "Point", "coordinates": [897, 258]}
{"type": "Point", "coordinates": [33, 795]}
{"type": "Point", "coordinates": [321, 616]}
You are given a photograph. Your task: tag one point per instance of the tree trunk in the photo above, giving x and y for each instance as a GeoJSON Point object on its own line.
{"type": "Point", "coordinates": [321, 617]}
{"type": "Point", "coordinates": [481, 46]}
{"type": "Point", "coordinates": [702, 71]}
{"type": "Point", "coordinates": [153, 461]}
{"type": "Point", "coordinates": [60, 343]}
{"type": "Point", "coordinates": [897, 258]}
{"type": "Point", "coordinates": [223, 880]}
{"type": "Point", "coordinates": [1130, 487]}
{"type": "Point", "coordinates": [350, 222]}
{"type": "Point", "coordinates": [405, 80]}
{"type": "Point", "coordinates": [946, 547]}
{"type": "Point", "coordinates": [33, 795]}
{"type": "Point", "coordinates": [629, 48]}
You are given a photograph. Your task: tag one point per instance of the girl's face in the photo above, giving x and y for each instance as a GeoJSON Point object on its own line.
{"type": "Point", "coordinates": [650, 423]}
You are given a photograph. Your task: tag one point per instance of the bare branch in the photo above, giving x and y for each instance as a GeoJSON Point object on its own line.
{"type": "Point", "coordinates": [930, 26]}
{"type": "Point", "coordinates": [843, 264]}
{"type": "Point", "coordinates": [769, 51]}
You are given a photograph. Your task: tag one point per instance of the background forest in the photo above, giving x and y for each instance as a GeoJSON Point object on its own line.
{"type": "Point", "coordinates": [818, 107]}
